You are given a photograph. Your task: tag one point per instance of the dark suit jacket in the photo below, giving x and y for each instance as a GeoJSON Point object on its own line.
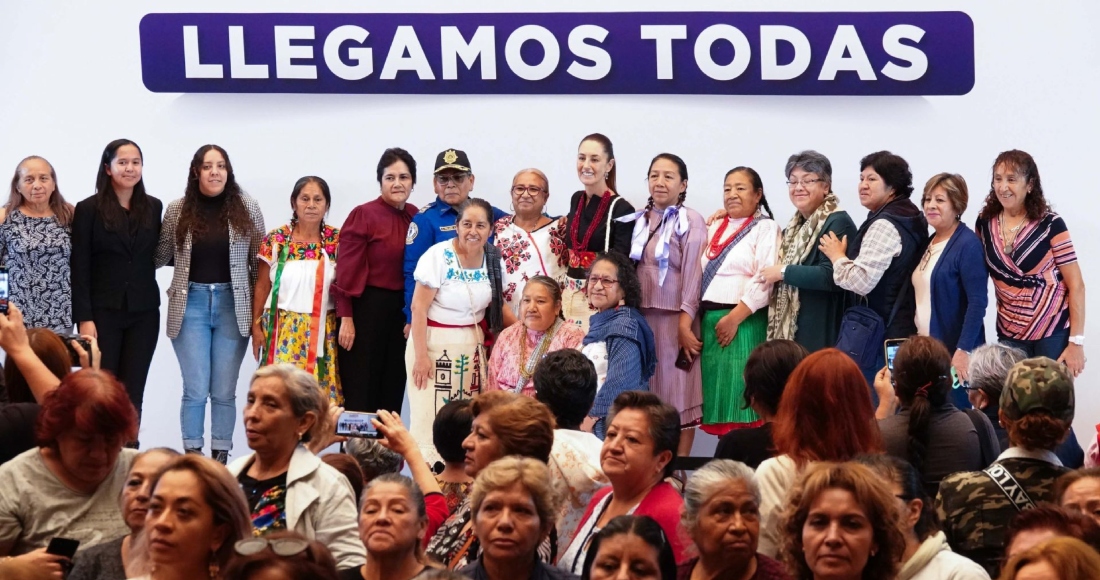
{"type": "Point", "coordinates": [112, 268]}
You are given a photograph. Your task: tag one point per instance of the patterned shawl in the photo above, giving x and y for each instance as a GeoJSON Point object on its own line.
{"type": "Point", "coordinates": [799, 239]}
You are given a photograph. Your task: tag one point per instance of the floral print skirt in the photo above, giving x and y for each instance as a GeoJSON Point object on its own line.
{"type": "Point", "coordinates": [292, 347]}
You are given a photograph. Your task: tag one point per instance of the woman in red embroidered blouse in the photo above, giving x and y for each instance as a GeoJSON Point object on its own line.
{"type": "Point", "coordinates": [590, 225]}
{"type": "Point", "coordinates": [369, 289]}
{"type": "Point", "coordinates": [1038, 283]}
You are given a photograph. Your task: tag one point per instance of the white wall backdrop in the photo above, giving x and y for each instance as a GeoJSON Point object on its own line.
{"type": "Point", "coordinates": [72, 82]}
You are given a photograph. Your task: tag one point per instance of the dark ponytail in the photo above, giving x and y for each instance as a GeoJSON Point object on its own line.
{"type": "Point", "coordinates": [922, 377]}
{"type": "Point", "coordinates": [757, 185]}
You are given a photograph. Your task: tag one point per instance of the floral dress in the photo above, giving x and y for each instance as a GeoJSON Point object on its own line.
{"type": "Point", "coordinates": [301, 277]}
{"type": "Point", "coordinates": [36, 252]}
{"type": "Point", "coordinates": [528, 254]}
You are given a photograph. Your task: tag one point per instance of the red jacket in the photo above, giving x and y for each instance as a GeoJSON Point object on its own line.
{"type": "Point", "coordinates": [662, 503]}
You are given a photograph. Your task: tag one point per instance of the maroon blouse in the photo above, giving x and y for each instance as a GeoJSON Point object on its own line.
{"type": "Point", "coordinates": [372, 250]}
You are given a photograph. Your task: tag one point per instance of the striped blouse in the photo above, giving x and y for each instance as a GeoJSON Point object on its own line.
{"type": "Point", "coordinates": [1032, 297]}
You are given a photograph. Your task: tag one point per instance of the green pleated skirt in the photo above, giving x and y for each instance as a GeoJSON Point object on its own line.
{"type": "Point", "coordinates": [723, 371]}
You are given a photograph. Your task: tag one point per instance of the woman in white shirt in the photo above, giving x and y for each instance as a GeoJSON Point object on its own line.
{"type": "Point", "coordinates": [458, 287]}
{"type": "Point", "coordinates": [735, 297]}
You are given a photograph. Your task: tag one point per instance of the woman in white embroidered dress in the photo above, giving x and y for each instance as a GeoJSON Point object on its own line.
{"type": "Point", "coordinates": [530, 242]}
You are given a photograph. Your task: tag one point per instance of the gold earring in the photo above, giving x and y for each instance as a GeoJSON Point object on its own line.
{"type": "Point", "coordinates": [214, 568]}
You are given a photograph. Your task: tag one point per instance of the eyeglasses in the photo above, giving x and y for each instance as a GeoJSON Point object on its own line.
{"type": "Point", "coordinates": [522, 190]}
{"type": "Point", "coordinates": [456, 178]}
{"type": "Point", "coordinates": [804, 182]}
{"type": "Point", "coordinates": [601, 281]}
{"type": "Point", "coordinates": [281, 546]}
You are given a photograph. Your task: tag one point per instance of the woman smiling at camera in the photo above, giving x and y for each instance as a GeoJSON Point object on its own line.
{"type": "Point", "coordinates": [735, 297]}
{"type": "Point", "coordinates": [722, 517]}
{"type": "Point", "coordinates": [287, 486]}
{"type": "Point", "coordinates": [513, 505]}
{"type": "Point", "coordinates": [540, 330]}
{"type": "Point", "coordinates": [369, 289]}
{"type": "Point", "coordinates": [196, 514]}
{"type": "Point", "coordinates": [456, 305]}
{"type": "Point", "coordinates": [530, 242]}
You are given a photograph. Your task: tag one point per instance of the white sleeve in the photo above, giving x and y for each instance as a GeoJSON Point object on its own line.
{"type": "Point", "coordinates": [429, 269]}
{"type": "Point", "coordinates": [774, 477]}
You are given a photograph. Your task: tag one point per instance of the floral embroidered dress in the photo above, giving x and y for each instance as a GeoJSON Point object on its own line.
{"type": "Point", "coordinates": [305, 312]}
{"type": "Point", "coordinates": [528, 254]}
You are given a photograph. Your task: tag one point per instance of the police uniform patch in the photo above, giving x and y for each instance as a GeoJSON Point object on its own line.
{"type": "Point", "coordinates": [411, 236]}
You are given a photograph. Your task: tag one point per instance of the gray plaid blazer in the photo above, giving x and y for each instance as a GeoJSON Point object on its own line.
{"type": "Point", "coordinates": [242, 265]}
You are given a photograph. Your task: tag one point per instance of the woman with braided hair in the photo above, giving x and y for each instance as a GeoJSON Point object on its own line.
{"type": "Point", "coordinates": [667, 243]}
{"type": "Point", "coordinates": [735, 297]}
{"type": "Point", "coordinates": [807, 305]}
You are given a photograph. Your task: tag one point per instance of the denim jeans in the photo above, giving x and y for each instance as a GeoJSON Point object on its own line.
{"type": "Point", "coordinates": [1050, 347]}
{"type": "Point", "coordinates": [210, 349]}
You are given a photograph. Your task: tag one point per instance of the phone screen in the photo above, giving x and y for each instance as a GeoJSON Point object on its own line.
{"type": "Point", "coordinates": [355, 424]}
{"type": "Point", "coordinates": [892, 347]}
{"type": "Point", "coordinates": [4, 290]}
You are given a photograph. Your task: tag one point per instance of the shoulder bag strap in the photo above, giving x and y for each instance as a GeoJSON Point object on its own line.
{"type": "Point", "coordinates": [610, 213]}
{"type": "Point", "coordinates": [1009, 486]}
{"type": "Point", "coordinates": [988, 455]}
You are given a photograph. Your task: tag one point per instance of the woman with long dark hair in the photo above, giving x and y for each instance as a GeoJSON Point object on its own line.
{"type": "Point", "coordinates": [214, 234]}
{"type": "Point", "coordinates": [36, 244]}
{"type": "Point", "coordinates": [115, 294]}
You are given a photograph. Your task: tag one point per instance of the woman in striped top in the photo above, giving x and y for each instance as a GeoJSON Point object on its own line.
{"type": "Point", "coordinates": [1038, 283]}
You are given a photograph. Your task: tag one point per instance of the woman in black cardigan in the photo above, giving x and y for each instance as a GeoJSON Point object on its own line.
{"type": "Point", "coordinates": [115, 294]}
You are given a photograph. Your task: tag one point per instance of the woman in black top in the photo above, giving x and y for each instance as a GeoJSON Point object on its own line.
{"type": "Point", "coordinates": [115, 294]}
{"type": "Point", "coordinates": [590, 226]}
{"type": "Point", "coordinates": [766, 372]}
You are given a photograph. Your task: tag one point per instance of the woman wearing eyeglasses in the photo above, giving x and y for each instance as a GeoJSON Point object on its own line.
{"type": "Point", "coordinates": [807, 305]}
{"type": "Point", "coordinates": [735, 298]}
{"type": "Point", "coordinates": [530, 242]}
{"type": "Point", "coordinates": [950, 282]}
{"type": "Point", "coordinates": [619, 342]}
{"type": "Point", "coordinates": [590, 225]}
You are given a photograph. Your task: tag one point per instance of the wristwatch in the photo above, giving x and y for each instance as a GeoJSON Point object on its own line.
{"type": "Point", "coordinates": [1079, 340]}
{"type": "Point", "coordinates": [783, 273]}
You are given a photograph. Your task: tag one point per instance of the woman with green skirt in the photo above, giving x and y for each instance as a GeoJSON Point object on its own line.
{"type": "Point", "coordinates": [735, 298]}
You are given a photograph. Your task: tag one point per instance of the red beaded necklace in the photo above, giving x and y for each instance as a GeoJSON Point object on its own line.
{"type": "Point", "coordinates": [582, 245]}
{"type": "Point", "coordinates": [714, 249]}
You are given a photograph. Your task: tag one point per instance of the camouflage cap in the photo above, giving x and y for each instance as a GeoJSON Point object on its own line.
{"type": "Point", "coordinates": [1038, 383]}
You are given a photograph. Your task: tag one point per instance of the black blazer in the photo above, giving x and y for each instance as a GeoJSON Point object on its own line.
{"type": "Point", "coordinates": [111, 268]}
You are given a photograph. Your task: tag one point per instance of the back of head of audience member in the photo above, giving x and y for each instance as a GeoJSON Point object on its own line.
{"type": "Point", "coordinates": [1045, 521]}
{"type": "Point", "coordinates": [522, 425]}
{"type": "Point", "coordinates": [766, 372]}
{"type": "Point", "coordinates": [827, 379]}
{"type": "Point", "coordinates": [283, 555]}
{"type": "Point", "coordinates": [452, 425]}
{"type": "Point", "coordinates": [864, 511]}
{"type": "Point", "coordinates": [373, 459]}
{"type": "Point", "coordinates": [51, 350]}
{"type": "Point", "coordinates": [349, 467]}
{"type": "Point", "coordinates": [205, 537]}
{"type": "Point", "coordinates": [1079, 491]}
{"type": "Point", "coordinates": [1037, 404]}
{"type": "Point", "coordinates": [632, 543]}
{"type": "Point", "coordinates": [85, 421]}
{"type": "Point", "coordinates": [565, 381]}
{"type": "Point", "coordinates": [1059, 558]}
{"type": "Point", "coordinates": [922, 380]}
{"type": "Point", "coordinates": [918, 515]}
{"type": "Point", "coordinates": [989, 365]}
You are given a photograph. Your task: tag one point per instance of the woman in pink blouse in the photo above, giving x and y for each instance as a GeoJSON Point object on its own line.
{"type": "Point", "coordinates": [735, 297]}
{"type": "Point", "coordinates": [540, 330]}
{"type": "Point", "coordinates": [667, 243]}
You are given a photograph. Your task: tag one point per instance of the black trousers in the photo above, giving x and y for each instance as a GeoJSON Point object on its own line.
{"type": "Point", "coordinates": [127, 341]}
{"type": "Point", "coordinates": [372, 373]}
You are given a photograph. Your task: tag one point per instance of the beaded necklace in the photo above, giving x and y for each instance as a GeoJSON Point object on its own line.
{"type": "Point", "coordinates": [527, 366]}
{"type": "Point", "coordinates": [714, 249]}
{"type": "Point", "coordinates": [574, 228]}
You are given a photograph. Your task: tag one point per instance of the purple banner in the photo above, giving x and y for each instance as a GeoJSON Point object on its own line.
{"type": "Point", "coordinates": [701, 53]}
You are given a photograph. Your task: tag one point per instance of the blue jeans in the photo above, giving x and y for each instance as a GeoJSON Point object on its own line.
{"type": "Point", "coordinates": [210, 349]}
{"type": "Point", "coordinates": [1050, 347]}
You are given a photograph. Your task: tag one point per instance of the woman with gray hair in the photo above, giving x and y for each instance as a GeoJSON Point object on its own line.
{"type": "Point", "coordinates": [287, 486]}
{"type": "Point", "coordinates": [391, 524]}
{"type": "Point", "coordinates": [806, 304]}
{"type": "Point", "coordinates": [722, 517]}
{"type": "Point", "coordinates": [989, 365]}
